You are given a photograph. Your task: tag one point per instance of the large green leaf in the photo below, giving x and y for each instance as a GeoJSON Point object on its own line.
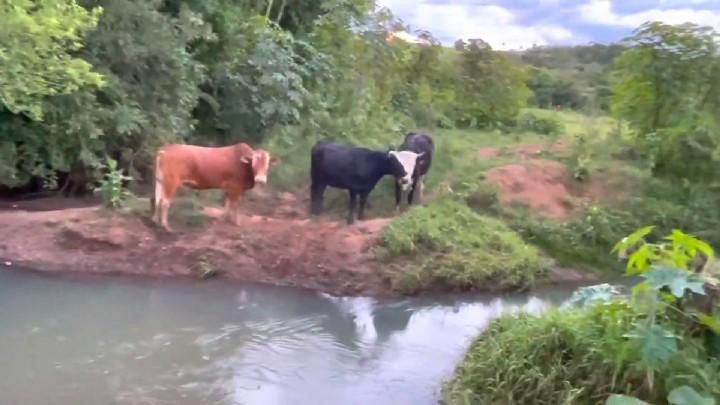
{"type": "Point", "coordinates": [677, 280]}
{"type": "Point", "coordinates": [619, 399]}
{"type": "Point", "coordinates": [633, 238]}
{"type": "Point", "coordinates": [594, 293]}
{"type": "Point", "coordinates": [690, 243]}
{"type": "Point", "coordinates": [657, 344]}
{"type": "Point", "coordinates": [640, 260]}
{"type": "Point", "coordinates": [685, 395]}
{"type": "Point", "coordinates": [711, 322]}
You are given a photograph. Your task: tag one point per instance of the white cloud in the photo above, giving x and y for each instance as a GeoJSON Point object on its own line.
{"type": "Point", "coordinates": [600, 12]}
{"type": "Point", "coordinates": [494, 24]}
{"type": "Point", "coordinates": [686, 1]}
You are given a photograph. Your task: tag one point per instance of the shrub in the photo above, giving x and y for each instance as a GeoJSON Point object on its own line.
{"type": "Point", "coordinates": [111, 189]}
{"type": "Point", "coordinates": [447, 245]}
{"type": "Point", "coordinates": [582, 240]}
{"type": "Point", "coordinates": [540, 125]}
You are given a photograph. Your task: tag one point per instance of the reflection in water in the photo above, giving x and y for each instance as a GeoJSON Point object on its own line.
{"type": "Point", "coordinates": [148, 342]}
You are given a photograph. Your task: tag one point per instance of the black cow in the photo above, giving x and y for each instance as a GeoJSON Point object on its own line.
{"type": "Point", "coordinates": [423, 145]}
{"type": "Point", "coordinates": [357, 170]}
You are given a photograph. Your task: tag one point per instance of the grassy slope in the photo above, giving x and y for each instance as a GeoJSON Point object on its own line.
{"type": "Point", "coordinates": [581, 356]}
{"type": "Point", "coordinates": [485, 251]}
{"type": "Point", "coordinates": [447, 245]}
{"type": "Point", "coordinates": [458, 174]}
{"type": "Point", "coordinates": [577, 356]}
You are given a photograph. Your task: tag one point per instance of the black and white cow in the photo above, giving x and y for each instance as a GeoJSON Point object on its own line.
{"type": "Point", "coordinates": [357, 170]}
{"type": "Point", "coordinates": [423, 145]}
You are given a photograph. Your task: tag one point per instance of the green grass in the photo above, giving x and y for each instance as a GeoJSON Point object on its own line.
{"type": "Point", "coordinates": [455, 162]}
{"type": "Point", "coordinates": [446, 245]}
{"type": "Point", "coordinates": [584, 241]}
{"type": "Point", "coordinates": [577, 356]}
{"type": "Point", "coordinates": [576, 123]}
{"type": "Point", "coordinates": [185, 212]}
{"type": "Point", "coordinates": [458, 171]}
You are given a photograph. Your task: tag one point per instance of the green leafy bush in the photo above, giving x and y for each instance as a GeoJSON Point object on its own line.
{"type": "Point", "coordinates": [447, 245]}
{"type": "Point", "coordinates": [540, 125]}
{"type": "Point", "coordinates": [585, 239]}
{"type": "Point", "coordinates": [111, 189]}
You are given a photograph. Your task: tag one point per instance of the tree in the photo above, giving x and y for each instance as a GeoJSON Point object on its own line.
{"type": "Point", "coordinates": [490, 87]}
{"type": "Point", "coordinates": [665, 87]}
{"type": "Point", "coordinates": [39, 39]}
{"type": "Point", "coordinates": [152, 87]}
{"type": "Point", "coordinates": [224, 71]}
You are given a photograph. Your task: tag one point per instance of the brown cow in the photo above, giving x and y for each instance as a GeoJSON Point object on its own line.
{"type": "Point", "coordinates": [234, 169]}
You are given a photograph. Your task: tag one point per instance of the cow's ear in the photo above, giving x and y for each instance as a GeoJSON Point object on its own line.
{"type": "Point", "coordinates": [246, 159]}
{"type": "Point", "coordinates": [274, 160]}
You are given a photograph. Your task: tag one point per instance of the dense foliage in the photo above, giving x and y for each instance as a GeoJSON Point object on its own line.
{"type": "Point", "coordinates": [667, 87]}
{"type": "Point", "coordinates": [36, 53]}
{"type": "Point", "coordinates": [118, 78]}
{"type": "Point", "coordinates": [570, 77]}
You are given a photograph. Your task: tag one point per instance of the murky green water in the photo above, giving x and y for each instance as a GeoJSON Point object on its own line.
{"type": "Point", "coordinates": [118, 341]}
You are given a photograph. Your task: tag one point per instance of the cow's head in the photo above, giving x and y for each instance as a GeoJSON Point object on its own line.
{"type": "Point", "coordinates": [404, 162]}
{"type": "Point", "coordinates": [261, 162]}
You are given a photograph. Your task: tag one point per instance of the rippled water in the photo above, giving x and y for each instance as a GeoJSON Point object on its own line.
{"type": "Point", "coordinates": [117, 341]}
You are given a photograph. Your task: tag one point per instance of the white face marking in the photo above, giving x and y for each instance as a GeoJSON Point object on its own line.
{"type": "Point", "coordinates": [408, 160]}
{"type": "Point", "coordinates": [261, 177]}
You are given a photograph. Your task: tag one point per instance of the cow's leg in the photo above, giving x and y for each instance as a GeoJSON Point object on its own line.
{"type": "Point", "coordinates": [167, 193]}
{"type": "Point", "coordinates": [351, 208]}
{"type": "Point", "coordinates": [165, 207]}
{"type": "Point", "coordinates": [361, 210]}
{"type": "Point", "coordinates": [227, 207]}
{"type": "Point", "coordinates": [232, 197]}
{"type": "Point", "coordinates": [316, 198]}
{"type": "Point", "coordinates": [398, 196]}
{"type": "Point", "coordinates": [411, 194]}
{"type": "Point", "coordinates": [421, 184]}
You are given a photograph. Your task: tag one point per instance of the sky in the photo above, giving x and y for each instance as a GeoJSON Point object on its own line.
{"type": "Point", "coordinates": [518, 24]}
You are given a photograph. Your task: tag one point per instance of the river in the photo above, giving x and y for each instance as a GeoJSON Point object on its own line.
{"type": "Point", "coordinates": [132, 341]}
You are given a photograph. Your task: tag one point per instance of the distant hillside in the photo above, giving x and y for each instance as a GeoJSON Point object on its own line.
{"type": "Point", "coordinates": [569, 76]}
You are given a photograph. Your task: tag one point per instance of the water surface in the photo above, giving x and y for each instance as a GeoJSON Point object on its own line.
{"type": "Point", "coordinates": [120, 341]}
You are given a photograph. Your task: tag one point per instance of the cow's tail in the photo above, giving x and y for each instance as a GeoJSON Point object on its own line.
{"type": "Point", "coordinates": [157, 184]}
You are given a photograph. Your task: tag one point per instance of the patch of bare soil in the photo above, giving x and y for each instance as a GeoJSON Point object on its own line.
{"type": "Point", "coordinates": [47, 203]}
{"type": "Point", "coordinates": [546, 187]}
{"type": "Point", "coordinates": [488, 152]}
{"type": "Point", "coordinates": [284, 249]}
{"type": "Point", "coordinates": [539, 184]}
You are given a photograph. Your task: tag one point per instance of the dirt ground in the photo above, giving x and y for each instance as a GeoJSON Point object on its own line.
{"type": "Point", "coordinates": [320, 254]}
{"type": "Point", "coordinates": [545, 186]}
{"type": "Point", "coordinates": [275, 243]}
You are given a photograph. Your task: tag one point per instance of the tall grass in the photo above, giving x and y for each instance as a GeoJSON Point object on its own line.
{"type": "Point", "coordinates": [571, 357]}
{"type": "Point", "coordinates": [446, 245]}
